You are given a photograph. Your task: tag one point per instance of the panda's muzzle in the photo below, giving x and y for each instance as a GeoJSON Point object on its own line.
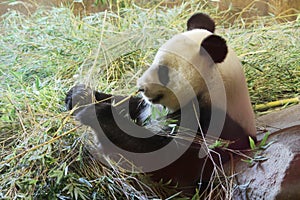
{"type": "Point", "coordinates": [155, 99]}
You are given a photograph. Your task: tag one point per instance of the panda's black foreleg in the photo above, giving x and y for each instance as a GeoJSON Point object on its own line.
{"type": "Point", "coordinates": [111, 123]}
{"type": "Point", "coordinates": [81, 96]}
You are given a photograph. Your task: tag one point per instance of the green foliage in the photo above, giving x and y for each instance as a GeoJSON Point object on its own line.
{"type": "Point", "coordinates": [263, 143]}
{"type": "Point", "coordinates": [252, 143]}
{"type": "Point", "coordinates": [219, 144]}
{"type": "Point", "coordinates": [258, 149]}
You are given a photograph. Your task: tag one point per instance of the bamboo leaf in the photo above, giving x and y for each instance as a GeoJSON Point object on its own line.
{"type": "Point", "coordinates": [252, 143]}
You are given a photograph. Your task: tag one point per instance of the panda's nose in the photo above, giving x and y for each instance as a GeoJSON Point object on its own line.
{"type": "Point", "coordinates": [142, 89]}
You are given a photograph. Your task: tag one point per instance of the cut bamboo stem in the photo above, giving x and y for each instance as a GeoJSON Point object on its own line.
{"type": "Point", "coordinates": [276, 103]}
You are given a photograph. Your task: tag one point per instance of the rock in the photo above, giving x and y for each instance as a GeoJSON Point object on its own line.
{"type": "Point", "coordinates": [279, 120]}
{"type": "Point", "coordinates": [277, 177]}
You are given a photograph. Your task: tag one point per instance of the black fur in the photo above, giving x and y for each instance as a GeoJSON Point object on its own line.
{"type": "Point", "coordinates": [201, 21]}
{"type": "Point", "coordinates": [216, 47]}
{"type": "Point", "coordinates": [163, 74]}
{"type": "Point", "coordinates": [100, 117]}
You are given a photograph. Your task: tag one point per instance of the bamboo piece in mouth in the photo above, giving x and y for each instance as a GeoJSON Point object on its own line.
{"type": "Point", "coordinates": [126, 98]}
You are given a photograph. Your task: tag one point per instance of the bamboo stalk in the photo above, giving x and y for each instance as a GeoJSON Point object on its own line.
{"type": "Point", "coordinates": [276, 103]}
{"type": "Point", "coordinates": [125, 99]}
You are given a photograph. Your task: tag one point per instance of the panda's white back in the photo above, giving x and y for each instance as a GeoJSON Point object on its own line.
{"type": "Point", "coordinates": [238, 101]}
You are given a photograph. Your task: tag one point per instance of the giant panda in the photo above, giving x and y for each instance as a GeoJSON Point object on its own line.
{"type": "Point", "coordinates": [200, 80]}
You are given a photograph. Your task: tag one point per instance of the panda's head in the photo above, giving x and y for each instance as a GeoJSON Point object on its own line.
{"type": "Point", "coordinates": [176, 74]}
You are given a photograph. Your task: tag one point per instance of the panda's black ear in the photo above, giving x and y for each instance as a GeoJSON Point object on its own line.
{"type": "Point", "coordinates": [201, 21]}
{"type": "Point", "coordinates": [216, 47]}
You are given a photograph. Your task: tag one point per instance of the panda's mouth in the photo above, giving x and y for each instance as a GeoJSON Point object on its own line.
{"type": "Point", "coordinates": [156, 99]}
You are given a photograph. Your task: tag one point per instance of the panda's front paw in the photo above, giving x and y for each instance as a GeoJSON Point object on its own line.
{"type": "Point", "coordinates": [79, 95]}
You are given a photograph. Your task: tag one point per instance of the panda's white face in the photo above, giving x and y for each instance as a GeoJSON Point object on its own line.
{"type": "Point", "coordinates": [175, 76]}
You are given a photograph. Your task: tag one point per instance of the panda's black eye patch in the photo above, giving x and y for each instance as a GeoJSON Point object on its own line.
{"type": "Point", "coordinates": [163, 74]}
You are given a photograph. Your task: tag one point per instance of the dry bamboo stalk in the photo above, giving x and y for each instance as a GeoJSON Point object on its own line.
{"type": "Point", "coordinates": [276, 103]}
{"type": "Point", "coordinates": [125, 99]}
